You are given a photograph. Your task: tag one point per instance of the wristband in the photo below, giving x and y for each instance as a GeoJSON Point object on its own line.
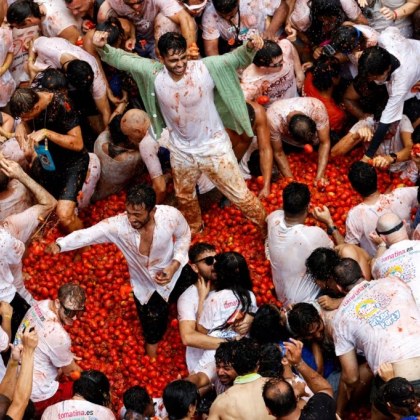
{"type": "Point", "coordinates": [331, 229]}
{"type": "Point", "coordinates": [382, 245]}
{"type": "Point", "coordinates": [297, 365]}
{"type": "Point", "coordinates": [395, 15]}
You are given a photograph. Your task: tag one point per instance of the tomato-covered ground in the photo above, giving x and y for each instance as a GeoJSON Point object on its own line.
{"type": "Point", "coordinates": [108, 336]}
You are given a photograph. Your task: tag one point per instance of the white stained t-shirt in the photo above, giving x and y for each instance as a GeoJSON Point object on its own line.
{"type": "Point", "coordinates": [50, 50]}
{"type": "Point", "coordinates": [171, 240]}
{"type": "Point", "coordinates": [4, 345]}
{"type": "Point", "coordinates": [189, 111]}
{"type": "Point", "coordinates": [149, 148]}
{"type": "Point", "coordinates": [278, 112]}
{"type": "Point", "coordinates": [407, 51]}
{"type": "Point", "coordinates": [77, 410]}
{"type": "Point", "coordinates": [18, 200]}
{"type": "Point", "coordinates": [362, 219]}
{"type": "Point", "coordinates": [300, 16]}
{"type": "Point", "coordinates": [187, 306]}
{"type": "Point", "coordinates": [392, 142]}
{"type": "Point", "coordinates": [281, 84]}
{"type": "Point", "coordinates": [144, 21]}
{"type": "Point", "coordinates": [53, 350]}
{"type": "Point", "coordinates": [218, 308]}
{"type": "Point", "coordinates": [380, 319]}
{"type": "Point", "coordinates": [289, 248]}
{"type": "Point", "coordinates": [401, 260]}
{"type": "Point", "coordinates": [7, 83]}
{"type": "Point", "coordinates": [253, 15]}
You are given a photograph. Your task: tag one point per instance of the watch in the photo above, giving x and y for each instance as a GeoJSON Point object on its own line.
{"type": "Point", "coordinates": [394, 157]}
{"type": "Point", "coordinates": [331, 229]}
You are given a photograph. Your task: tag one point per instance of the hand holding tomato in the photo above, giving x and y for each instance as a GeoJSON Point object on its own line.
{"type": "Point", "coordinates": [382, 161]}
{"type": "Point", "coordinates": [165, 276]}
{"type": "Point", "coordinates": [52, 248]}
{"type": "Point", "coordinates": [323, 215]}
{"type": "Point", "coordinates": [321, 183]}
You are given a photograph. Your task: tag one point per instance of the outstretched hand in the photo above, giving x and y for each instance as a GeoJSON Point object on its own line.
{"type": "Point", "coordinates": [255, 42]}
{"type": "Point", "coordinates": [100, 39]}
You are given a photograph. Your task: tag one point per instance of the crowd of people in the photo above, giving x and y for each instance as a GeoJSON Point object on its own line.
{"type": "Point", "coordinates": [100, 96]}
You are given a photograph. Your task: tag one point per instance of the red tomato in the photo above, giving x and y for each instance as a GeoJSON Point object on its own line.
{"type": "Point", "coordinates": [308, 148]}
{"type": "Point", "coordinates": [263, 99]}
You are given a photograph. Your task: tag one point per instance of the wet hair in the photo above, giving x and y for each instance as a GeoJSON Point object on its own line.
{"type": "Point", "coordinates": [251, 113]}
{"type": "Point", "coordinates": [72, 292]}
{"type": "Point", "coordinates": [374, 61]}
{"type": "Point", "coordinates": [400, 394]}
{"type": "Point", "coordinates": [254, 163]}
{"type": "Point", "coordinates": [119, 142]}
{"type": "Point", "coordinates": [302, 128]}
{"type": "Point", "coordinates": [142, 194]}
{"type": "Point", "coordinates": [324, 71]}
{"type": "Point", "coordinates": [93, 386]}
{"type": "Point", "coordinates": [225, 6]}
{"type": "Point", "coordinates": [296, 198]}
{"type": "Point", "coordinates": [347, 272]}
{"type": "Point", "coordinates": [22, 101]}
{"type": "Point", "coordinates": [178, 396]}
{"type": "Point", "coordinates": [233, 274]}
{"type": "Point", "coordinates": [319, 9]}
{"type": "Point", "coordinates": [4, 181]}
{"type": "Point", "coordinates": [265, 55]}
{"type": "Point", "coordinates": [363, 178]}
{"type": "Point", "coordinates": [415, 136]}
{"type": "Point", "coordinates": [245, 356]}
{"type": "Point", "coordinates": [224, 353]}
{"type": "Point", "coordinates": [267, 327]}
{"type": "Point", "coordinates": [345, 38]}
{"type": "Point", "coordinates": [412, 109]}
{"type": "Point", "coordinates": [171, 41]}
{"type": "Point", "coordinates": [20, 10]}
{"type": "Point", "coordinates": [270, 365]}
{"type": "Point", "coordinates": [279, 397]}
{"type": "Point", "coordinates": [51, 79]}
{"type": "Point", "coordinates": [321, 262]}
{"type": "Point", "coordinates": [114, 29]}
{"type": "Point", "coordinates": [301, 317]}
{"type": "Point", "coordinates": [4, 405]}
{"type": "Point", "coordinates": [198, 249]}
{"type": "Point", "coordinates": [79, 74]}
{"type": "Point", "coordinates": [137, 399]}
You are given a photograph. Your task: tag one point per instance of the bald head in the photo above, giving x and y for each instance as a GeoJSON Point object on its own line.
{"type": "Point", "coordinates": [134, 124]}
{"type": "Point", "coordinates": [388, 222]}
{"type": "Point", "coordinates": [279, 397]}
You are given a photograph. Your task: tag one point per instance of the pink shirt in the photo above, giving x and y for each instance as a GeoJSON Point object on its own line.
{"type": "Point", "coordinates": [278, 112]}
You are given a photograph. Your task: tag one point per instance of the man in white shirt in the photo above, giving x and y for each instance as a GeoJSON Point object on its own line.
{"type": "Point", "coordinates": [154, 241]}
{"type": "Point", "coordinates": [290, 243]}
{"type": "Point", "coordinates": [396, 254]}
{"type": "Point", "coordinates": [53, 353]}
{"type": "Point", "coordinates": [15, 231]}
{"type": "Point", "coordinates": [361, 220]}
{"type": "Point", "coordinates": [378, 318]}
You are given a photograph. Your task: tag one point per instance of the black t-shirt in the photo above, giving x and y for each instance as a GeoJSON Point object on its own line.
{"type": "Point", "coordinates": [61, 117]}
{"type": "Point", "coordinates": [319, 407]}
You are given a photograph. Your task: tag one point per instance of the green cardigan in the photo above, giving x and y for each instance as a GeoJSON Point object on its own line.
{"type": "Point", "coordinates": [228, 96]}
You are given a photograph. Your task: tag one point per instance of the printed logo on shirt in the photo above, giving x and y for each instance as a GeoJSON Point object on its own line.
{"type": "Point", "coordinates": [77, 415]}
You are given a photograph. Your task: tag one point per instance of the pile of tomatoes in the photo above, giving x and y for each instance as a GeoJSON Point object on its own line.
{"type": "Point", "coordinates": [108, 336]}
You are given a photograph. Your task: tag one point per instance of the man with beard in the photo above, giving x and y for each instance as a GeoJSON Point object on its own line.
{"type": "Point", "coordinates": [154, 240]}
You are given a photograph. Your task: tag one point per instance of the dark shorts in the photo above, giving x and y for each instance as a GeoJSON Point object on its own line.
{"type": "Point", "coordinates": [63, 184]}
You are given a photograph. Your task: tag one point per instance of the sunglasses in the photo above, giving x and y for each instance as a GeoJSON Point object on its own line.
{"type": "Point", "coordinates": [208, 260]}
{"type": "Point", "coordinates": [71, 313]}
{"type": "Point", "coordinates": [276, 65]}
{"type": "Point", "coordinates": [196, 6]}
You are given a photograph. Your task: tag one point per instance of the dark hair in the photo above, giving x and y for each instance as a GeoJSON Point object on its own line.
{"type": "Point", "coordinates": [137, 399]}
{"type": "Point", "coordinates": [254, 163]}
{"type": "Point", "coordinates": [119, 142]}
{"type": "Point", "coordinates": [178, 396]}
{"type": "Point", "coordinates": [251, 113]}
{"type": "Point", "coordinates": [79, 74]}
{"type": "Point", "coordinates": [321, 262]}
{"type": "Point", "coordinates": [225, 6]}
{"type": "Point", "coordinates": [142, 194]}
{"type": "Point", "coordinates": [171, 41]}
{"type": "Point", "coordinates": [270, 365]}
{"type": "Point", "coordinates": [374, 61]}
{"type": "Point", "coordinates": [345, 38]}
{"type": "Point", "coordinates": [22, 101]}
{"type": "Point", "coordinates": [301, 317]}
{"type": "Point", "coordinates": [73, 292]}
{"type": "Point", "coordinates": [302, 128]}
{"type": "Point", "coordinates": [114, 29]}
{"type": "Point", "coordinates": [93, 386]}
{"type": "Point", "coordinates": [412, 109]}
{"type": "Point", "coordinates": [224, 353]}
{"type": "Point", "coordinates": [18, 11]}
{"type": "Point", "coordinates": [363, 178]}
{"type": "Point", "coordinates": [4, 181]}
{"type": "Point", "coordinates": [267, 326]}
{"type": "Point", "coordinates": [296, 198]}
{"type": "Point", "coordinates": [245, 356]}
{"type": "Point", "coordinates": [233, 274]}
{"type": "Point", "coordinates": [319, 9]}
{"type": "Point", "coordinates": [324, 71]}
{"type": "Point", "coordinates": [347, 272]}
{"type": "Point", "coordinates": [265, 55]}
{"type": "Point", "coordinates": [51, 80]}
{"type": "Point", "coordinates": [279, 397]}
{"type": "Point", "coordinates": [415, 136]}
{"type": "Point", "coordinates": [199, 248]}
{"type": "Point", "coordinates": [400, 393]}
